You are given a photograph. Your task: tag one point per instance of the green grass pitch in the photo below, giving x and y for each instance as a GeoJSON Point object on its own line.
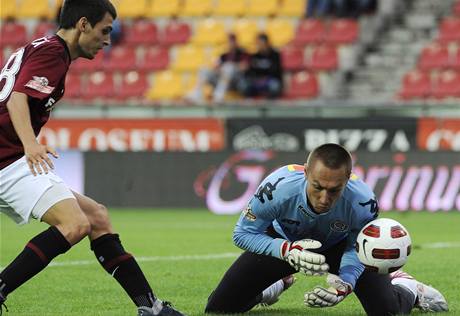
{"type": "Point", "coordinates": [184, 253]}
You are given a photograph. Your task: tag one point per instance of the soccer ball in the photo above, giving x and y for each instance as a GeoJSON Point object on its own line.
{"type": "Point", "coordinates": [383, 245]}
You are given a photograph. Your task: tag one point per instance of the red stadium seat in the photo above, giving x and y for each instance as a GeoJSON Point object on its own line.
{"type": "Point", "coordinates": [449, 30]}
{"type": "Point", "coordinates": [44, 29]}
{"type": "Point", "coordinates": [175, 32]}
{"type": "Point", "coordinates": [447, 84]}
{"type": "Point", "coordinates": [415, 85]}
{"type": "Point", "coordinates": [457, 8]}
{"type": "Point", "coordinates": [309, 31]}
{"type": "Point", "coordinates": [133, 85]}
{"type": "Point", "coordinates": [13, 34]}
{"type": "Point", "coordinates": [303, 85]}
{"type": "Point", "coordinates": [292, 58]}
{"type": "Point", "coordinates": [324, 58]}
{"type": "Point", "coordinates": [73, 86]}
{"type": "Point", "coordinates": [100, 85]}
{"type": "Point", "coordinates": [121, 58]}
{"type": "Point", "coordinates": [141, 32]}
{"type": "Point", "coordinates": [86, 65]}
{"type": "Point", "coordinates": [434, 56]}
{"type": "Point", "coordinates": [342, 31]}
{"type": "Point", "coordinates": [155, 58]}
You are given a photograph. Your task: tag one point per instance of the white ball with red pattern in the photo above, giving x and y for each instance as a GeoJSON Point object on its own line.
{"type": "Point", "coordinates": [383, 245]}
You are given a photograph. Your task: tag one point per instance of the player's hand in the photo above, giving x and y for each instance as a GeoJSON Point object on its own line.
{"type": "Point", "coordinates": [322, 297]}
{"type": "Point", "coordinates": [37, 157]}
{"type": "Point", "coordinates": [297, 255]}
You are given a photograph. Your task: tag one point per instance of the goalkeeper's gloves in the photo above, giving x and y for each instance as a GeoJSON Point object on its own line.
{"type": "Point", "coordinates": [297, 255]}
{"type": "Point", "coordinates": [322, 297]}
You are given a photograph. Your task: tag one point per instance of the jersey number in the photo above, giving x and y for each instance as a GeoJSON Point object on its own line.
{"type": "Point", "coordinates": [267, 190]}
{"type": "Point", "coordinates": [9, 73]}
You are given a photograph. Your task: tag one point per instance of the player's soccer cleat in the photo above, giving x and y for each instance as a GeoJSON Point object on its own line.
{"type": "Point", "coordinates": [2, 303]}
{"type": "Point", "coordinates": [272, 293]}
{"type": "Point", "coordinates": [428, 298]}
{"type": "Point", "coordinates": [167, 310]}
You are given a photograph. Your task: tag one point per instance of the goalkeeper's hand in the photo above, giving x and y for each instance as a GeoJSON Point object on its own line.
{"type": "Point", "coordinates": [297, 255]}
{"type": "Point", "coordinates": [322, 297]}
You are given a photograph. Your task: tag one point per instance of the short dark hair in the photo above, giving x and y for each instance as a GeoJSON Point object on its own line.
{"type": "Point", "coordinates": [93, 10]}
{"type": "Point", "coordinates": [263, 37]}
{"type": "Point", "coordinates": [333, 156]}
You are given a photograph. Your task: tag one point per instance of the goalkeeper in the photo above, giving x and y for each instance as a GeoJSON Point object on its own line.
{"type": "Point", "coordinates": [306, 219]}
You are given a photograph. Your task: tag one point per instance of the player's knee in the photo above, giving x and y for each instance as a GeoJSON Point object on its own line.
{"type": "Point", "coordinates": [76, 230]}
{"type": "Point", "coordinates": [101, 220]}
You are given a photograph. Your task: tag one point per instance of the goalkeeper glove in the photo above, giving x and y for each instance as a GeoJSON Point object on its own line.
{"type": "Point", "coordinates": [321, 297]}
{"type": "Point", "coordinates": [297, 255]}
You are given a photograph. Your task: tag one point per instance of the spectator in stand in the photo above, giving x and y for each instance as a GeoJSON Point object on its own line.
{"type": "Point", "coordinates": [318, 8]}
{"type": "Point", "coordinates": [225, 74]}
{"type": "Point", "coordinates": [264, 75]}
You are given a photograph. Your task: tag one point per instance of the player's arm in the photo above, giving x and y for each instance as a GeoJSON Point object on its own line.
{"type": "Point", "coordinates": [36, 154]}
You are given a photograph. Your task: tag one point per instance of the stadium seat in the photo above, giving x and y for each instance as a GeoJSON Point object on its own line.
{"type": "Point", "coordinates": [128, 9]}
{"type": "Point", "coordinates": [292, 8]}
{"type": "Point", "coordinates": [162, 8]}
{"type": "Point", "coordinates": [86, 65]}
{"type": "Point", "coordinates": [303, 85]}
{"type": "Point", "coordinates": [73, 85]}
{"type": "Point", "coordinates": [44, 28]}
{"type": "Point", "coordinates": [309, 31]}
{"type": "Point", "coordinates": [446, 84]}
{"type": "Point", "coordinates": [342, 31]}
{"type": "Point", "coordinates": [434, 56]}
{"type": "Point", "coordinates": [449, 30]}
{"type": "Point", "coordinates": [415, 85]}
{"type": "Point", "coordinates": [456, 10]}
{"type": "Point", "coordinates": [209, 32]}
{"type": "Point", "coordinates": [280, 32]}
{"type": "Point", "coordinates": [100, 85]}
{"type": "Point", "coordinates": [196, 8]}
{"type": "Point", "coordinates": [264, 8]}
{"type": "Point", "coordinates": [155, 58]}
{"type": "Point", "coordinates": [175, 32]}
{"type": "Point", "coordinates": [235, 8]}
{"type": "Point", "coordinates": [166, 85]}
{"type": "Point", "coordinates": [8, 9]}
{"type": "Point", "coordinates": [141, 32]}
{"type": "Point", "coordinates": [13, 34]}
{"type": "Point", "coordinates": [121, 58]}
{"type": "Point", "coordinates": [292, 58]}
{"type": "Point", "coordinates": [189, 58]}
{"type": "Point", "coordinates": [133, 85]}
{"type": "Point", "coordinates": [323, 57]}
{"type": "Point", "coordinates": [28, 9]}
{"type": "Point", "coordinates": [246, 32]}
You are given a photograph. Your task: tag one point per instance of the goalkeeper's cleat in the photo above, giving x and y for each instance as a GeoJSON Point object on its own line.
{"type": "Point", "coordinates": [271, 294]}
{"type": "Point", "coordinates": [166, 310]}
{"type": "Point", "coordinates": [429, 299]}
{"type": "Point", "coordinates": [2, 303]}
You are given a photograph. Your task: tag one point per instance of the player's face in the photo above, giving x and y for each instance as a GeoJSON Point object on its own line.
{"type": "Point", "coordinates": [325, 185]}
{"type": "Point", "coordinates": [93, 39]}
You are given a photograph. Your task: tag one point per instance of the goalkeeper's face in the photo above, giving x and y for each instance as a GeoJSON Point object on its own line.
{"type": "Point", "coordinates": [325, 185]}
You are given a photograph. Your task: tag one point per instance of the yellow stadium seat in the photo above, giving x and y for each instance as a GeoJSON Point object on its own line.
{"type": "Point", "coordinates": [34, 9]}
{"type": "Point", "coordinates": [189, 58]}
{"type": "Point", "coordinates": [163, 8]}
{"type": "Point", "coordinates": [246, 32]}
{"type": "Point", "coordinates": [280, 32]}
{"type": "Point", "coordinates": [8, 9]}
{"type": "Point", "coordinates": [294, 8]}
{"type": "Point", "coordinates": [132, 9]}
{"type": "Point", "coordinates": [196, 8]}
{"type": "Point", "coordinates": [209, 32]}
{"type": "Point", "coordinates": [262, 7]}
{"type": "Point", "coordinates": [230, 8]}
{"type": "Point", "coordinates": [166, 85]}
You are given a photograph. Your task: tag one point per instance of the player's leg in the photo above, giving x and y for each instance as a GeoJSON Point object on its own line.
{"type": "Point", "coordinates": [117, 262]}
{"type": "Point", "coordinates": [242, 285]}
{"type": "Point", "coordinates": [68, 226]}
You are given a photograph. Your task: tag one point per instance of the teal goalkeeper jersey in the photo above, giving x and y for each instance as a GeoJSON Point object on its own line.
{"type": "Point", "coordinates": [281, 201]}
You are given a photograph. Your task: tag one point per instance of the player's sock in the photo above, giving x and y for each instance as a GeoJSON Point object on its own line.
{"type": "Point", "coordinates": [124, 268]}
{"type": "Point", "coordinates": [35, 257]}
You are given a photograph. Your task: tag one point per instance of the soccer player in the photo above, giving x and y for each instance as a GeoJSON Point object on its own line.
{"type": "Point", "coordinates": [306, 219]}
{"type": "Point", "coordinates": [32, 81]}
